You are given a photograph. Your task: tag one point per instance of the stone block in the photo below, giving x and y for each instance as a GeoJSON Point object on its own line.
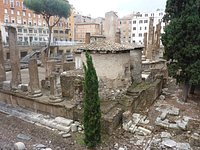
{"type": "Point", "coordinates": [19, 146]}
{"type": "Point", "coordinates": [64, 121]}
{"type": "Point", "coordinates": [6, 85]}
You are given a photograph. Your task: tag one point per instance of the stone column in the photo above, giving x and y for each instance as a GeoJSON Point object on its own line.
{"type": "Point", "coordinates": [14, 58]}
{"type": "Point", "coordinates": [34, 84]}
{"type": "Point", "coordinates": [145, 43]}
{"type": "Point", "coordinates": [54, 95]}
{"type": "Point", "coordinates": [150, 39]}
{"type": "Point", "coordinates": [50, 67]}
{"type": "Point", "coordinates": [2, 67]}
{"type": "Point", "coordinates": [136, 65]}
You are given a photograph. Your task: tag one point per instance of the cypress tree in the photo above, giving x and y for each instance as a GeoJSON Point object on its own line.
{"type": "Point", "coordinates": [181, 41]}
{"type": "Point", "coordinates": [92, 113]}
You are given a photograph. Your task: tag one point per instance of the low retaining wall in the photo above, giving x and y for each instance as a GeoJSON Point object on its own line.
{"type": "Point", "coordinates": [39, 105]}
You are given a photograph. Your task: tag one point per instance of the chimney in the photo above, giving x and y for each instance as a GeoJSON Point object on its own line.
{"type": "Point", "coordinates": [87, 38]}
{"type": "Point", "coordinates": [117, 37]}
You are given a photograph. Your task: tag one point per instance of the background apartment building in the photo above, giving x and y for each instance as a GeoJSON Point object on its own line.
{"type": "Point", "coordinates": [31, 28]}
{"type": "Point", "coordinates": [140, 24]}
{"type": "Point", "coordinates": [125, 25]}
{"type": "Point", "coordinates": [82, 28]}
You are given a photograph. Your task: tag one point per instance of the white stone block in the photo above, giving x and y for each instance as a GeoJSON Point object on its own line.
{"type": "Point", "coordinates": [64, 121]}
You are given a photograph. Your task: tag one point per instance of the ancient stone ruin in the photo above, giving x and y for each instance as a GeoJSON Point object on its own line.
{"type": "Point", "coordinates": [59, 91]}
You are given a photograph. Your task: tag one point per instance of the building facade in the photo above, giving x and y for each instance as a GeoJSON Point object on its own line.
{"type": "Point", "coordinates": [124, 25]}
{"type": "Point", "coordinates": [140, 24]}
{"type": "Point", "coordinates": [31, 28]}
{"type": "Point", "coordinates": [82, 28]}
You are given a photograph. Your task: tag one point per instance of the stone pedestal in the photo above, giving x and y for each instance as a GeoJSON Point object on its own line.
{"type": "Point", "coordinates": [136, 65]}
{"type": "Point", "coordinates": [14, 58]}
{"type": "Point", "coordinates": [34, 84]}
{"type": "Point", "coordinates": [150, 39]}
{"type": "Point", "coordinates": [2, 67]}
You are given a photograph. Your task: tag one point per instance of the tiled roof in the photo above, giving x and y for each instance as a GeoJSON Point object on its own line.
{"type": "Point", "coordinates": [106, 46]}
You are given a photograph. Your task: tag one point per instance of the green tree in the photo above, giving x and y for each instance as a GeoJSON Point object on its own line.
{"type": "Point", "coordinates": [48, 9]}
{"type": "Point", "coordinates": [92, 113]}
{"type": "Point", "coordinates": [181, 41]}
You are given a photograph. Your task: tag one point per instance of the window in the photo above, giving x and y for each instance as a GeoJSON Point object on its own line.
{"type": "Point", "coordinates": [20, 39]}
{"type": "Point", "coordinates": [146, 15]}
{"type": "Point", "coordinates": [5, 11]}
{"type": "Point", "coordinates": [44, 31]}
{"type": "Point", "coordinates": [40, 30]}
{"type": "Point", "coordinates": [140, 21]}
{"type": "Point", "coordinates": [17, 3]}
{"type": "Point", "coordinates": [18, 13]}
{"type": "Point", "coordinates": [24, 13]}
{"type": "Point", "coordinates": [35, 39]}
{"type": "Point", "coordinates": [38, 16]}
{"type": "Point", "coordinates": [40, 39]}
{"type": "Point", "coordinates": [12, 3]}
{"type": "Point", "coordinates": [25, 30]}
{"type": "Point", "coordinates": [23, 6]}
{"type": "Point", "coordinates": [29, 14]}
{"type": "Point", "coordinates": [35, 31]}
{"type": "Point", "coordinates": [140, 34]}
{"type": "Point", "coordinates": [12, 20]}
{"type": "Point", "coordinates": [134, 28]}
{"type": "Point", "coordinates": [145, 21]}
{"type": "Point", "coordinates": [55, 31]}
{"type": "Point", "coordinates": [19, 21]}
{"type": "Point", "coordinates": [152, 14]}
{"type": "Point", "coordinates": [12, 11]}
{"type": "Point", "coordinates": [133, 35]}
{"type": "Point", "coordinates": [133, 41]}
{"type": "Point", "coordinates": [160, 14]}
{"type": "Point", "coordinates": [19, 30]}
{"type": "Point", "coordinates": [5, 1]}
{"type": "Point", "coordinates": [145, 28]}
{"type": "Point", "coordinates": [24, 22]}
{"type": "Point", "coordinates": [30, 31]}
{"type": "Point", "coordinates": [134, 22]}
{"type": "Point", "coordinates": [140, 28]}
{"type": "Point", "coordinates": [34, 15]}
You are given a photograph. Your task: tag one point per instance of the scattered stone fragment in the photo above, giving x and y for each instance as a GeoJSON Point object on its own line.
{"type": "Point", "coordinates": [19, 146]}
{"type": "Point", "coordinates": [64, 121]}
{"type": "Point", "coordinates": [182, 124]}
{"type": "Point", "coordinates": [162, 97]}
{"type": "Point", "coordinates": [74, 127]}
{"type": "Point", "coordinates": [165, 135]}
{"type": "Point", "coordinates": [173, 126]}
{"type": "Point", "coordinates": [136, 118]}
{"type": "Point", "coordinates": [169, 143]}
{"type": "Point", "coordinates": [121, 148]}
{"type": "Point", "coordinates": [173, 111]}
{"type": "Point", "coordinates": [116, 145]}
{"type": "Point", "coordinates": [40, 146]}
{"type": "Point", "coordinates": [163, 115]}
{"type": "Point", "coordinates": [23, 137]}
{"type": "Point", "coordinates": [66, 135]}
{"type": "Point", "coordinates": [183, 146]}
{"type": "Point", "coordinates": [145, 131]}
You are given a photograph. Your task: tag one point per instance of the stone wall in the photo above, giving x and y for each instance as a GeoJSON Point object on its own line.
{"type": "Point", "coordinates": [112, 69]}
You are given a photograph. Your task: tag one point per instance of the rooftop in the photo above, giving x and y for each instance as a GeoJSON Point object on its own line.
{"type": "Point", "coordinates": [107, 46]}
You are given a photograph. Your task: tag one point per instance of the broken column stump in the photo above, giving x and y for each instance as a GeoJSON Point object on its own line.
{"type": "Point", "coordinates": [34, 84]}
{"type": "Point", "coordinates": [14, 58]}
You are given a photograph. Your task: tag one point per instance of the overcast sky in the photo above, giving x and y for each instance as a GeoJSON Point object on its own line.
{"type": "Point", "coordinates": [98, 8]}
